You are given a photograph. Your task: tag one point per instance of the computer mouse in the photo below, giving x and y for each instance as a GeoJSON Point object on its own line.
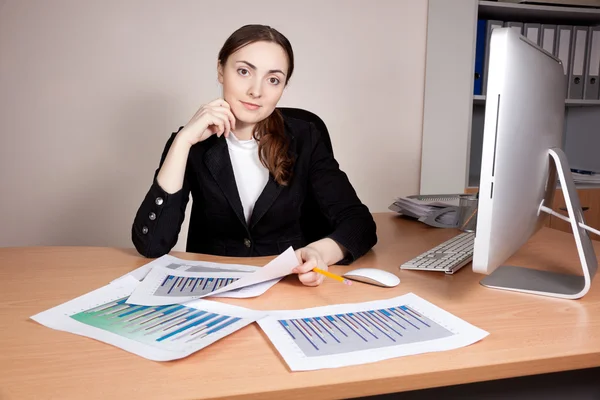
{"type": "Point", "coordinates": [373, 276]}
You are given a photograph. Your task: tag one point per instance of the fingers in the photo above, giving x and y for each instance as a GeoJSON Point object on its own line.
{"type": "Point", "coordinates": [306, 274]}
{"type": "Point", "coordinates": [226, 111]}
{"type": "Point", "coordinates": [311, 279]}
{"type": "Point", "coordinates": [220, 120]}
{"type": "Point", "coordinates": [307, 260]}
{"type": "Point", "coordinates": [218, 106]}
{"type": "Point", "coordinates": [305, 267]}
{"type": "Point", "coordinates": [214, 118]}
{"type": "Point", "coordinates": [216, 125]}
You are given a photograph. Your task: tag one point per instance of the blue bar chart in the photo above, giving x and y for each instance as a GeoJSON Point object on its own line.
{"type": "Point", "coordinates": [174, 281]}
{"type": "Point", "coordinates": [191, 286]}
{"type": "Point", "coordinates": [340, 335]}
{"type": "Point", "coordinates": [362, 330]}
{"type": "Point", "coordinates": [159, 325]}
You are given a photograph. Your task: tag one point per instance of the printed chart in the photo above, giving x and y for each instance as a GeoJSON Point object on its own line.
{"type": "Point", "coordinates": [169, 282]}
{"type": "Point", "coordinates": [153, 325]}
{"type": "Point", "coordinates": [189, 286]}
{"type": "Point", "coordinates": [350, 334]}
{"type": "Point", "coordinates": [159, 333]}
{"type": "Point", "coordinates": [363, 330]}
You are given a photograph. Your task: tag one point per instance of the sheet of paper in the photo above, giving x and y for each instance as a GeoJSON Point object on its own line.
{"type": "Point", "coordinates": [248, 291]}
{"type": "Point", "coordinates": [169, 286]}
{"type": "Point", "coordinates": [172, 262]}
{"type": "Point", "coordinates": [351, 334]}
{"type": "Point", "coordinates": [156, 333]}
{"type": "Point", "coordinates": [179, 264]}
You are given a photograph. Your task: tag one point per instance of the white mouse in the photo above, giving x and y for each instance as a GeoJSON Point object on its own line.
{"type": "Point", "coordinates": [373, 276]}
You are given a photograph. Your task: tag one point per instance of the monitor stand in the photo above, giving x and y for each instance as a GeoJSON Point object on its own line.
{"type": "Point", "coordinates": [545, 283]}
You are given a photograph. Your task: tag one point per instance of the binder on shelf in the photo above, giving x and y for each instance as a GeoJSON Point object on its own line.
{"type": "Point", "coordinates": [490, 25]}
{"type": "Point", "coordinates": [479, 57]}
{"type": "Point", "coordinates": [548, 38]}
{"type": "Point", "coordinates": [578, 61]}
{"type": "Point", "coordinates": [590, 87]}
{"type": "Point", "coordinates": [518, 26]}
{"type": "Point", "coordinates": [563, 50]}
{"type": "Point", "coordinates": [532, 32]}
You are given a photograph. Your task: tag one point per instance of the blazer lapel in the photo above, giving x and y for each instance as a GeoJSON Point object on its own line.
{"type": "Point", "coordinates": [265, 200]}
{"type": "Point", "coordinates": [218, 163]}
{"type": "Point", "coordinates": [270, 192]}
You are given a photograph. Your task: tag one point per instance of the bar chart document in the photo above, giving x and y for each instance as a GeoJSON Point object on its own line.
{"type": "Point", "coordinates": [159, 333]}
{"type": "Point", "coordinates": [234, 271]}
{"type": "Point", "coordinates": [351, 334]}
{"type": "Point", "coordinates": [163, 285]}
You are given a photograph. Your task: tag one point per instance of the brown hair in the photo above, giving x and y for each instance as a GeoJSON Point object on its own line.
{"type": "Point", "coordinates": [273, 144]}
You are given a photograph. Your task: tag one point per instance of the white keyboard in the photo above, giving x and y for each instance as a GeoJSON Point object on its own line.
{"type": "Point", "coordinates": [449, 256]}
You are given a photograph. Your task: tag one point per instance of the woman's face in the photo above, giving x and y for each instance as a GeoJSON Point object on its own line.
{"type": "Point", "coordinates": [253, 80]}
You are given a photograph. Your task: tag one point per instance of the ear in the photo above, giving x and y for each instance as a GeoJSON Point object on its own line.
{"type": "Point", "coordinates": [220, 72]}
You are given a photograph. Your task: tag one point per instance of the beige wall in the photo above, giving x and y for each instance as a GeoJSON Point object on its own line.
{"type": "Point", "coordinates": [91, 90]}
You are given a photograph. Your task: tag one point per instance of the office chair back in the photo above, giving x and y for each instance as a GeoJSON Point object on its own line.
{"type": "Point", "coordinates": [308, 116]}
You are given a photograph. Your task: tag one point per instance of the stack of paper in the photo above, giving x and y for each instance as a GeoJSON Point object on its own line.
{"type": "Point", "coordinates": [154, 311]}
{"type": "Point", "coordinates": [585, 177]}
{"type": "Point", "coordinates": [422, 207]}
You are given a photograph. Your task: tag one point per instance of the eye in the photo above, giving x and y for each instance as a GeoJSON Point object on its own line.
{"type": "Point", "coordinates": [274, 81]}
{"type": "Point", "coordinates": [243, 71]}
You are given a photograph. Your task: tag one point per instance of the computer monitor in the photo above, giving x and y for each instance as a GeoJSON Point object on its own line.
{"type": "Point", "coordinates": [521, 158]}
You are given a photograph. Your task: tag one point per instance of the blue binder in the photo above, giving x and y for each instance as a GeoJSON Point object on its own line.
{"type": "Point", "coordinates": [479, 56]}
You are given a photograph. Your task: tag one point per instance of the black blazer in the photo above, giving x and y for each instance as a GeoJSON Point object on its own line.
{"type": "Point", "coordinates": [217, 224]}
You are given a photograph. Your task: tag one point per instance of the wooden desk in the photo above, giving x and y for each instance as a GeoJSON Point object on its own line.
{"type": "Point", "coordinates": [528, 334]}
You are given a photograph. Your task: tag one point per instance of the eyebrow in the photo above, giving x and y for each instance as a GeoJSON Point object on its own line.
{"type": "Point", "coordinates": [271, 71]}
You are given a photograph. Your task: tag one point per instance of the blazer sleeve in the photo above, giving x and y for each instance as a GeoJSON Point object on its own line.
{"type": "Point", "coordinates": [158, 220]}
{"type": "Point", "coordinates": [353, 224]}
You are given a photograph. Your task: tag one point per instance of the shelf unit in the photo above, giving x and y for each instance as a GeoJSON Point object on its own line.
{"type": "Point", "coordinates": [580, 124]}
{"type": "Point", "coordinates": [453, 118]}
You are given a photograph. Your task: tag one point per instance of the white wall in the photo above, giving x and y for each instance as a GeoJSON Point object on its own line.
{"type": "Point", "coordinates": [91, 90]}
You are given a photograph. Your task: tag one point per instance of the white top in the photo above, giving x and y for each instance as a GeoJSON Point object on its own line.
{"type": "Point", "coordinates": [251, 176]}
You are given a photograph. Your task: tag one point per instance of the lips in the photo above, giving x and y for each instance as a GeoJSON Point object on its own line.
{"type": "Point", "coordinates": [250, 106]}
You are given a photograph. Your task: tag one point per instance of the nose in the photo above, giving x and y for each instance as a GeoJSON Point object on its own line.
{"type": "Point", "coordinates": [255, 89]}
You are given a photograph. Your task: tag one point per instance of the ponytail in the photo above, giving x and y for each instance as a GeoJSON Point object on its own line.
{"type": "Point", "coordinates": [273, 146]}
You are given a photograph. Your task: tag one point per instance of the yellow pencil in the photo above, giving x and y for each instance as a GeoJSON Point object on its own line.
{"type": "Point", "coordinates": [333, 276]}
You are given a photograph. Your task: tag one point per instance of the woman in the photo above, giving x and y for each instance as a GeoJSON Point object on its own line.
{"type": "Point", "coordinates": [249, 170]}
